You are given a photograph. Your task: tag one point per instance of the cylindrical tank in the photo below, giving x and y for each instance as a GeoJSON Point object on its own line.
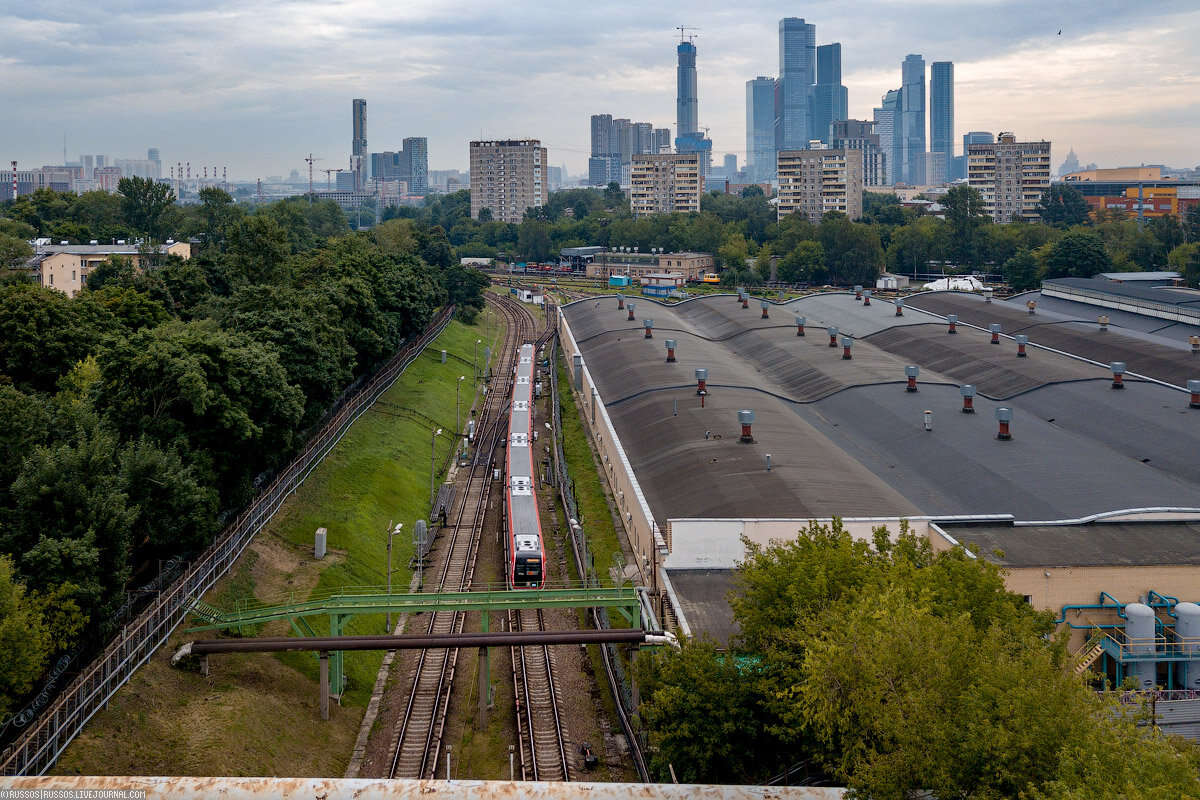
{"type": "Point", "coordinates": [1187, 628]}
{"type": "Point", "coordinates": [1139, 641]}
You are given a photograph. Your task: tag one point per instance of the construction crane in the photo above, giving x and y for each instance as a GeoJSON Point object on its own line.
{"type": "Point", "coordinates": [684, 35]}
{"type": "Point", "coordinates": [310, 161]}
{"type": "Point", "coordinates": [329, 177]}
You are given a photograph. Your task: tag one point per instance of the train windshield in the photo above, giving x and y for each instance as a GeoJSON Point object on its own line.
{"type": "Point", "coordinates": [527, 571]}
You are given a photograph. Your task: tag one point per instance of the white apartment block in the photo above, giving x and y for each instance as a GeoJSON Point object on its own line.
{"type": "Point", "coordinates": [814, 182]}
{"type": "Point", "coordinates": [664, 182]}
{"type": "Point", "coordinates": [507, 177]}
{"type": "Point", "coordinates": [1010, 175]}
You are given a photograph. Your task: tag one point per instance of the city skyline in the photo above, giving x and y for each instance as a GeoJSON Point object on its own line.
{"type": "Point", "coordinates": [258, 88]}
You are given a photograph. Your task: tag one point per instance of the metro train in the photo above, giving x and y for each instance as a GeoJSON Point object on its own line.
{"type": "Point", "coordinates": [525, 556]}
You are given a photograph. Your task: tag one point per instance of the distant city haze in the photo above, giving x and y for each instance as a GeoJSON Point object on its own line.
{"type": "Point", "coordinates": [256, 87]}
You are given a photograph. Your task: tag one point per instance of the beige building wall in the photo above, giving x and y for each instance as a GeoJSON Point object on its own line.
{"type": "Point", "coordinates": [507, 177]}
{"type": "Point", "coordinates": [67, 270]}
{"type": "Point", "coordinates": [694, 266]}
{"type": "Point", "coordinates": [815, 182]}
{"type": "Point", "coordinates": [664, 183]}
{"type": "Point", "coordinates": [1010, 175]}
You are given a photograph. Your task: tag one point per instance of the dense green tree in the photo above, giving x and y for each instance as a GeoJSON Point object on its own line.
{"type": "Point", "coordinates": [24, 640]}
{"type": "Point", "coordinates": [1080, 253]}
{"type": "Point", "coordinates": [852, 251]}
{"type": "Point", "coordinates": [1063, 206]}
{"type": "Point", "coordinates": [102, 213]}
{"type": "Point", "coordinates": [614, 197]}
{"type": "Point", "coordinates": [70, 232]}
{"type": "Point", "coordinates": [219, 214]}
{"type": "Point", "coordinates": [1168, 230]}
{"type": "Point", "coordinates": [1021, 272]}
{"type": "Point", "coordinates": [465, 287]}
{"type": "Point", "coordinates": [1191, 223]}
{"type": "Point", "coordinates": [146, 205]}
{"type": "Point", "coordinates": [914, 246]}
{"type": "Point", "coordinates": [966, 214]}
{"type": "Point", "coordinates": [13, 251]}
{"type": "Point", "coordinates": [259, 252]}
{"type": "Point", "coordinates": [43, 333]}
{"type": "Point", "coordinates": [434, 247]}
{"type": "Point", "coordinates": [806, 262]}
{"type": "Point", "coordinates": [175, 512]}
{"type": "Point", "coordinates": [533, 240]}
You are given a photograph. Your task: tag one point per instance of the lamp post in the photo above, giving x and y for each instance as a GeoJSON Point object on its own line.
{"type": "Point", "coordinates": [391, 532]}
{"type": "Point", "coordinates": [475, 363]}
{"type": "Point", "coordinates": [458, 404]}
{"type": "Point", "coordinates": [432, 464]}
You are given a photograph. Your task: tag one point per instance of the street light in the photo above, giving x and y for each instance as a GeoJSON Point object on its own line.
{"type": "Point", "coordinates": [391, 532]}
{"type": "Point", "coordinates": [432, 466]}
{"type": "Point", "coordinates": [458, 404]}
{"type": "Point", "coordinates": [475, 363]}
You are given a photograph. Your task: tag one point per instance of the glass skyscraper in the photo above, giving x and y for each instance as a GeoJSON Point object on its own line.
{"type": "Point", "coordinates": [760, 130]}
{"type": "Point", "coordinates": [941, 115]}
{"type": "Point", "coordinates": [686, 104]}
{"type": "Point", "coordinates": [830, 100]}
{"type": "Point", "coordinates": [912, 120]}
{"type": "Point", "coordinates": [797, 75]}
{"type": "Point", "coordinates": [887, 125]}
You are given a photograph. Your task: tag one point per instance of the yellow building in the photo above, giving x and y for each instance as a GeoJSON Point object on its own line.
{"type": "Point", "coordinates": [1118, 174]}
{"type": "Point", "coordinates": [66, 267]}
{"type": "Point", "coordinates": [663, 183]}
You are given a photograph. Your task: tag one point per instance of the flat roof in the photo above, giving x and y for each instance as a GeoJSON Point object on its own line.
{"type": "Point", "coordinates": [1107, 544]}
{"type": "Point", "coordinates": [702, 597]}
{"type": "Point", "coordinates": [1172, 295]}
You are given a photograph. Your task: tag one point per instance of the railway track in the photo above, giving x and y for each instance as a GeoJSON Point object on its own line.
{"type": "Point", "coordinates": [543, 741]}
{"type": "Point", "coordinates": [418, 738]}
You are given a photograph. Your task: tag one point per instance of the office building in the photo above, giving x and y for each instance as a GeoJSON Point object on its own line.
{"type": "Point", "coordinates": [887, 125]}
{"type": "Point", "coordinates": [508, 176]}
{"type": "Point", "coordinates": [793, 89]}
{"type": "Point", "coordinates": [614, 142]}
{"type": "Point", "coordinates": [662, 140]}
{"type": "Point", "coordinates": [970, 138]}
{"type": "Point", "coordinates": [665, 182]}
{"type": "Point", "coordinates": [941, 120]}
{"type": "Point", "coordinates": [730, 166]}
{"type": "Point", "coordinates": [688, 138]}
{"type": "Point", "coordinates": [859, 134]}
{"type": "Point", "coordinates": [358, 144]}
{"type": "Point", "coordinates": [1010, 175]}
{"type": "Point", "coordinates": [760, 130]}
{"type": "Point", "coordinates": [416, 157]}
{"type": "Point", "coordinates": [912, 120]}
{"type": "Point", "coordinates": [815, 182]}
{"type": "Point", "coordinates": [830, 101]}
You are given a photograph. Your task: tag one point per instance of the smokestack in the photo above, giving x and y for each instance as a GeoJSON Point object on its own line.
{"type": "Point", "coordinates": [866, 297]}
{"type": "Point", "coordinates": [800, 325]}
{"type": "Point", "coordinates": [764, 309]}
{"type": "Point", "coordinates": [1103, 320]}
{"type": "Point", "coordinates": [631, 312]}
{"type": "Point", "coordinates": [968, 395]}
{"type": "Point", "coordinates": [1031, 305]}
{"type": "Point", "coordinates": [1194, 389]}
{"type": "Point", "coordinates": [620, 302]}
{"type": "Point", "coordinates": [952, 320]}
{"type": "Point", "coordinates": [1118, 371]}
{"type": "Point", "coordinates": [1004, 416]}
{"type": "Point", "coordinates": [846, 343]}
{"type": "Point", "coordinates": [994, 328]}
{"type": "Point", "coordinates": [670, 351]}
{"type": "Point", "coordinates": [911, 372]}
{"type": "Point", "coordinates": [649, 324]}
{"type": "Point", "coordinates": [1021, 342]}
{"type": "Point", "coordinates": [858, 291]}
{"type": "Point", "coordinates": [701, 382]}
{"type": "Point", "coordinates": [747, 419]}
{"type": "Point", "coordinates": [833, 332]}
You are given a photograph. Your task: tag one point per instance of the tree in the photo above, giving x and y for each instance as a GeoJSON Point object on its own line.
{"type": "Point", "coordinates": [852, 250]}
{"type": "Point", "coordinates": [914, 246]}
{"type": "Point", "coordinates": [1191, 223]}
{"type": "Point", "coordinates": [805, 263]}
{"type": "Point", "coordinates": [175, 513]}
{"type": "Point", "coordinates": [13, 251]}
{"type": "Point", "coordinates": [1079, 253]}
{"type": "Point", "coordinates": [1021, 272]}
{"type": "Point", "coordinates": [966, 213]}
{"type": "Point", "coordinates": [1168, 230]}
{"type": "Point", "coordinates": [1063, 207]}
{"type": "Point", "coordinates": [43, 333]}
{"type": "Point", "coordinates": [533, 240]}
{"type": "Point", "coordinates": [734, 251]}
{"type": "Point", "coordinates": [24, 640]}
{"type": "Point", "coordinates": [259, 251]}
{"type": "Point", "coordinates": [145, 204]}
{"type": "Point", "coordinates": [219, 214]}
{"type": "Point", "coordinates": [614, 197]}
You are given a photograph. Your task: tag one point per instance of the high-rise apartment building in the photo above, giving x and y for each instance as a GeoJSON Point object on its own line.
{"type": "Point", "coordinates": [760, 130]}
{"type": "Point", "coordinates": [358, 144]}
{"type": "Point", "coordinates": [859, 134]}
{"type": "Point", "coordinates": [688, 138]}
{"type": "Point", "coordinates": [970, 138]}
{"type": "Point", "coordinates": [507, 177]}
{"type": "Point", "coordinates": [793, 89]}
{"type": "Point", "coordinates": [614, 142]}
{"type": "Point", "coordinates": [662, 140]}
{"type": "Point", "coordinates": [912, 120]}
{"type": "Point", "coordinates": [663, 183]}
{"type": "Point", "coordinates": [815, 182]}
{"type": "Point", "coordinates": [887, 125]}
{"type": "Point", "coordinates": [1010, 175]}
{"type": "Point", "coordinates": [416, 156]}
{"type": "Point", "coordinates": [941, 120]}
{"type": "Point", "coordinates": [830, 101]}
{"type": "Point", "coordinates": [730, 166]}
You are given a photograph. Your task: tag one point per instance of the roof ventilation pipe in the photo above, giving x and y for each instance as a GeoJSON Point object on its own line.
{"type": "Point", "coordinates": [1118, 371]}
{"type": "Point", "coordinates": [1031, 305]}
{"type": "Point", "coordinates": [899, 306]}
{"type": "Point", "coordinates": [745, 299]}
{"type": "Point", "coordinates": [741, 290]}
{"type": "Point", "coordinates": [1103, 320]}
{"type": "Point", "coordinates": [987, 295]}
{"type": "Point", "coordinates": [701, 381]}
{"type": "Point", "coordinates": [1139, 639]}
{"type": "Point", "coordinates": [800, 321]}
{"type": "Point", "coordinates": [1021, 342]}
{"type": "Point", "coordinates": [994, 328]}
{"type": "Point", "coordinates": [1194, 391]}
{"type": "Point", "coordinates": [1187, 631]}
{"type": "Point", "coordinates": [746, 418]}
{"type": "Point", "coordinates": [620, 302]}
{"type": "Point", "coordinates": [833, 332]}
{"type": "Point", "coordinates": [847, 342]}
{"type": "Point", "coordinates": [1004, 417]}
{"type": "Point", "coordinates": [764, 305]}
{"type": "Point", "coordinates": [858, 291]}
{"type": "Point", "coordinates": [968, 395]}
{"type": "Point", "coordinates": [866, 297]}
{"type": "Point", "coordinates": [911, 372]}
{"type": "Point", "coordinates": [951, 320]}
{"type": "Point", "coordinates": [1194, 341]}
{"type": "Point", "coordinates": [649, 324]}
{"type": "Point", "coordinates": [670, 351]}
{"type": "Point", "coordinates": [631, 312]}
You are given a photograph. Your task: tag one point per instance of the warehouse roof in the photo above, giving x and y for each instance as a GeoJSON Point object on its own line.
{"type": "Point", "coordinates": [1096, 544]}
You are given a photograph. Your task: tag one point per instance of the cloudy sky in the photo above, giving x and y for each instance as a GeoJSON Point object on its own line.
{"type": "Point", "coordinates": [255, 86]}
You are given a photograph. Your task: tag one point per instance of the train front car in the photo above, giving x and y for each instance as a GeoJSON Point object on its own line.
{"type": "Point", "coordinates": [524, 536]}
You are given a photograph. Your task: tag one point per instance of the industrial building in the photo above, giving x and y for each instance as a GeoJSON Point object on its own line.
{"type": "Point", "coordinates": [773, 414]}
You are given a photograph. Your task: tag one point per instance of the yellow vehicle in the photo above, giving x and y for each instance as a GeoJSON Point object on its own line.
{"type": "Point", "coordinates": [711, 277]}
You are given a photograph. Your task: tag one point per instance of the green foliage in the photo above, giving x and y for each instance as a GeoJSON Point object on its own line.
{"type": "Point", "coordinates": [147, 205]}
{"type": "Point", "coordinates": [966, 216]}
{"type": "Point", "coordinates": [43, 333]}
{"type": "Point", "coordinates": [14, 251]}
{"type": "Point", "coordinates": [806, 262]}
{"type": "Point", "coordinates": [1080, 253]}
{"type": "Point", "coordinates": [24, 640]}
{"type": "Point", "coordinates": [914, 246]}
{"type": "Point", "coordinates": [1021, 272]}
{"type": "Point", "coordinates": [219, 214]}
{"type": "Point", "coordinates": [853, 253]}
{"type": "Point", "coordinates": [1063, 207]}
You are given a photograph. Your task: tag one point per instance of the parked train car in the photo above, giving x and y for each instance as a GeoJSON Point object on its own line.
{"type": "Point", "coordinates": [525, 556]}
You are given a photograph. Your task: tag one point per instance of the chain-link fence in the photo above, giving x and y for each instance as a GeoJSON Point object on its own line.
{"type": "Point", "coordinates": [38, 748]}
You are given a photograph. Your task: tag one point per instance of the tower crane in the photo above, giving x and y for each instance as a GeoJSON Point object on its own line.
{"type": "Point", "coordinates": [310, 161]}
{"type": "Point", "coordinates": [684, 35]}
{"type": "Point", "coordinates": [329, 177]}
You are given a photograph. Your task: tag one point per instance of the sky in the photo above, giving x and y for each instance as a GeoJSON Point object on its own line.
{"type": "Point", "coordinates": [256, 86]}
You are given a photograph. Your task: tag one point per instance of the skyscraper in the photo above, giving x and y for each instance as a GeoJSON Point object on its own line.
{"type": "Point", "coordinates": [887, 125]}
{"type": "Point", "coordinates": [912, 120]}
{"type": "Point", "coordinates": [760, 130]}
{"type": "Point", "coordinates": [830, 100]}
{"type": "Point", "coordinates": [688, 138]}
{"type": "Point", "coordinates": [416, 154]}
{"type": "Point", "coordinates": [793, 91]}
{"type": "Point", "coordinates": [941, 117]}
{"type": "Point", "coordinates": [614, 143]}
{"type": "Point", "coordinates": [861, 134]}
{"type": "Point", "coordinates": [970, 138]}
{"type": "Point", "coordinates": [358, 145]}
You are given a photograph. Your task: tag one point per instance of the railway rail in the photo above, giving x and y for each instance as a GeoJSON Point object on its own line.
{"type": "Point", "coordinates": [543, 741]}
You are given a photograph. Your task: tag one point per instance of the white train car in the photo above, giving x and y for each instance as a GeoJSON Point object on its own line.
{"type": "Point", "coordinates": [526, 561]}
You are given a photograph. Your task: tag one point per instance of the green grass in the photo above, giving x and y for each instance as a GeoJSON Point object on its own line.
{"type": "Point", "coordinates": [379, 475]}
